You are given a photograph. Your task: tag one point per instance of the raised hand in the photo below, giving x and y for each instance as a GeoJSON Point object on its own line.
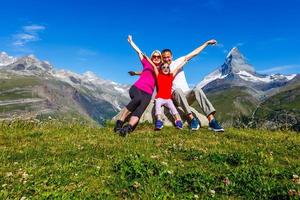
{"type": "Point", "coordinates": [129, 38]}
{"type": "Point", "coordinates": [211, 42]}
{"type": "Point", "coordinates": [131, 73]}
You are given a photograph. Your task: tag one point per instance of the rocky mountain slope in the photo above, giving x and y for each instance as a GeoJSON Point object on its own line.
{"type": "Point", "coordinates": [32, 88]}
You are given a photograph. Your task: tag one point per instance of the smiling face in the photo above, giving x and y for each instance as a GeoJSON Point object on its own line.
{"type": "Point", "coordinates": [165, 68]}
{"type": "Point", "coordinates": [167, 57]}
{"type": "Point", "coordinates": [156, 58]}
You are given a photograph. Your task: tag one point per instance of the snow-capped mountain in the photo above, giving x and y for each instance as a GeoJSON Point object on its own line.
{"type": "Point", "coordinates": [6, 59]}
{"type": "Point", "coordinates": [115, 93]}
{"type": "Point", "coordinates": [237, 71]}
{"type": "Point", "coordinates": [28, 64]}
{"type": "Point", "coordinates": [86, 93]}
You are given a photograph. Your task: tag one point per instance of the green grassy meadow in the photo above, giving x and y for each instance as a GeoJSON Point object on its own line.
{"type": "Point", "coordinates": [73, 160]}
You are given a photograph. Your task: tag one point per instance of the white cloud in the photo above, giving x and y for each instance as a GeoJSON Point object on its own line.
{"type": "Point", "coordinates": [28, 34]}
{"type": "Point", "coordinates": [278, 69]}
{"type": "Point", "coordinates": [33, 28]}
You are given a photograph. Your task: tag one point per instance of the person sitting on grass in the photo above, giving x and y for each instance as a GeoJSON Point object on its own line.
{"type": "Point", "coordinates": [164, 78]}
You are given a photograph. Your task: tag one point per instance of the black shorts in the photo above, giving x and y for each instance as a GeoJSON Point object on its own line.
{"type": "Point", "coordinates": [139, 101]}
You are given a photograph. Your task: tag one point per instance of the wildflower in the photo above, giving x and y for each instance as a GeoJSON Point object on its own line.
{"type": "Point", "coordinates": [296, 179]}
{"type": "Point", "coordinates": [23, 198]}
{"type": "Point", "coordinates": [196, 196]}
{"type": "Point", "coordinates": [226, 181]}
{"type": "Point", "coordinates": [212, 193]}
{"type": "Point", "coordinates": [164, 163]}
{"type": "Point", "coordinates": [136, 185]}
{"type": "Point", "coordinates": [8, 174]}
{"type": "Point", "coordinates": [153, 156]}
{"type": "Point", "coordinates": [292, 192]}
{"type": "Point", "coordinates": [25, 175]}
{"type": "Point", "coordinates": [170, 172]}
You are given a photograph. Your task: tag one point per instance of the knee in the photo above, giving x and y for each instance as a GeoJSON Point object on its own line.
{"type": "Point", "coordinates": [178, 94]}
{"type": "Point", "coordinates": [198, 90]}
{"type": "Point", "coordinates": [198, 93]}
{"type": "Point", "coordinates": [178, 91]}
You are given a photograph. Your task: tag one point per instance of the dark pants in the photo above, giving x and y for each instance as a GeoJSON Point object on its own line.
{"type": "Point", "coordinates": [139, 101]}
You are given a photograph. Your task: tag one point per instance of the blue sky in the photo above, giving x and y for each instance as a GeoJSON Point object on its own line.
{"type": "Point", "coordinates": [91, 35]}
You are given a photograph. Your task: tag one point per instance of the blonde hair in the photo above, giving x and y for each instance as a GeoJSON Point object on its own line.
{"type": "Point", "coordinates": [155, 51]}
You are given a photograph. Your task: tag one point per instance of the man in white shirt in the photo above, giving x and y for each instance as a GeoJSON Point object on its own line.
{"type": "Point", "coordinates": [183, 96]}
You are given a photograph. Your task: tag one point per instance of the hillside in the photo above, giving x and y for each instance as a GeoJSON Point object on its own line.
{"type": "Point", "coordinates": [32, 88]}
{"type": "Point", "coordinates": [32, 96]}
{"type": "Point", "coordinates": [59, 160]}
{"type": "Point", "coordinates": [232, 103]}
{"type": "Point", "coordinates": [282, 110]}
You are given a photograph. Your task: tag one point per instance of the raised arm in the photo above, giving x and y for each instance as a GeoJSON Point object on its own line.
{"type": "Point", "coordinates": [179, 67]}
{"type": "Point", "coordinates": [133, 45]}
{"type": "Point", "coordinates": [153, 65]}
{"type": "Point", "coordinates": [199, 49]}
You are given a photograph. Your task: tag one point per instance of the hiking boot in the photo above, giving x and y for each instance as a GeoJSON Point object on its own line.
{"type": "Point", "coordinates": [159, 124]}
{"type": "Point", "coordinates": [125, 130]}
{"type": "Point", "coordinates": [118, 126]}
{"type": "Point", "coordinates": [179, 124]}
{"type": "Point", "coordinates": [194, 124]}
{"type": "Point", "coordinates": [215, 126]}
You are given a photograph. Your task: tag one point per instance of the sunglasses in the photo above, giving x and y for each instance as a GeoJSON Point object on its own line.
{"type": "Point", "coordinates": [165, 67]}
{"type": "Point", "coordinates": [156, 57]}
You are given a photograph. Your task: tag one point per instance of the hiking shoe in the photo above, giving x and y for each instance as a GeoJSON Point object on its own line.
{"type": "Point", "coordinates": [125, 130]}
{"type": "Point", "coordinates": [179, 124]}
{"type": "Point", "coordinates": [159, 124]}
{"type": "Point", "coordinates": [215, 126]}
{"type": "Point", "coordinates": [194, 124]}
{"type": "Point", "coordinates": [118, 126]}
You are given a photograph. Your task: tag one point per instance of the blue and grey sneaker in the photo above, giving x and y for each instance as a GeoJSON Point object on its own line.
{"type": "Point", "coordinates": [194, 124]}
{"type": "Point", "coordinates": [179, 124]}
{"type": "Point", "coordinates": [159, 124]}
{"type": "Point", "coordinates": [215, 126]}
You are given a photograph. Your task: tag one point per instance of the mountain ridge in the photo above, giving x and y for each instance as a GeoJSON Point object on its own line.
{"type": "Point", "coordinates": [60, 91]}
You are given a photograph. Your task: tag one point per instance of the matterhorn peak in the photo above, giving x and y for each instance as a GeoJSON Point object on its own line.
{"type": "Point", "coordinates": [235, 62]}
{"type": "Point", "coordinates": [234, 52]}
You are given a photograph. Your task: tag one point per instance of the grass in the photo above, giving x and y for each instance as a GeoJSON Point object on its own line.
{"type": "Point", "coordinates": [18, 94]}
{"type": "Point", "coordinates": [73, 160]}
{"type": "Point", "coordinates": [18, 82]}
{"type": "Point", "coordinates": [16, 107]}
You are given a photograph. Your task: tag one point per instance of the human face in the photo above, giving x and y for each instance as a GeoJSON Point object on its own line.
{"type": "Point", "coordinates": [167, 57]}
{"type": "Point", "coordinates": [156, 58]}
{"type": "Point", "coordinates": [165, 69]}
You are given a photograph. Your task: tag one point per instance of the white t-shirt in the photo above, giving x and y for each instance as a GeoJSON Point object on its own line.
{"type": "Point", "coordinates": [179, 80]}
